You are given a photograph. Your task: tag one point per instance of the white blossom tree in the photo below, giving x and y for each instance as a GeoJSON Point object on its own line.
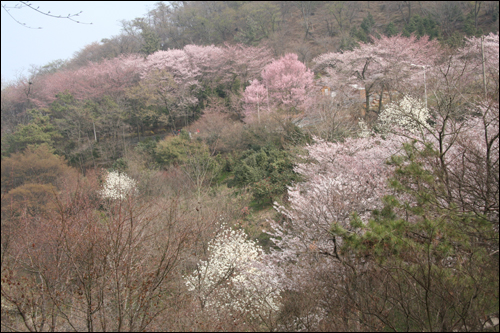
{"type": "Point", "coordinates": [408, 114]}
{"type": "Point", "coordinates": [118, 186]}
{"type": "Point", "coordinates": [234, 280]}
{"type": "Point", "coordinates": [340, 179]}
{"type": "Point", "coordinates": [327, 251]}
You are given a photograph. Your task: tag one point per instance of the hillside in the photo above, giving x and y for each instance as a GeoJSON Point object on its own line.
{"type": "Point", "coordinates": [306, 28]}
{"type": "Point", "coordinates": [254, 166]}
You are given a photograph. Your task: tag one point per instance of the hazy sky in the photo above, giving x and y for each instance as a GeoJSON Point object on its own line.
{"type": "Point", "coordinates": [59, 38]}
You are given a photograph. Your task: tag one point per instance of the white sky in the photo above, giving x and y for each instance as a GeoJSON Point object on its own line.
{"type": "Point", "coordinates": [59, 38]}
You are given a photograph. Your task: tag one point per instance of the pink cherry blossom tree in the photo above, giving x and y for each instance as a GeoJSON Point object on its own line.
{"type": "Point", "coordinates": [256, 96]}
{"type": "Point", "coordinates": [195, 68]}
{"type": "Point", "coordinates": [385, 65]}
{"type": "Point", "coordinates": [353, 177]}
{"type": "Point", "coordinates": [208, 60]}
{"type": "Point", "coordinates": [471, 55]}
{"type": "Point", "coordinates": [226, 68]}
{"type": "Point", "coordinates": [94, 81]}
{"type": "Point", "coordinates": [185, 74]}
{"type": "Point", "coordinates": [244, 62]}
{"type": "Point", "coordinates": [237, 65]}
{"type": "Point", "coordinates": [340, 178]}
{"type": "Point", "coordinates": [287, 84]}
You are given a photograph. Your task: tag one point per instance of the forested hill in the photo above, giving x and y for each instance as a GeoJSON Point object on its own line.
{"type": "Point", "coordinates": [102, 74]}
{"type": "Point", "coordinates": [306, 28]}
{"type": "Point", "coordinates": [259, 166]}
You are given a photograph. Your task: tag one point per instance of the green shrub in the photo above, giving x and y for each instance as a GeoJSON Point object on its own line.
{"type": "Point", "coordinates": [178, 149]}
{"type": "Point", "coordinates": [421, 26]}
{"type": "Point", "coordinates": [147, 146]}
{"type": "Point", "coordinates": [267, 171]}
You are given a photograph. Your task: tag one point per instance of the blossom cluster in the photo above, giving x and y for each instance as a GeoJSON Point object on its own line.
{"type": "Point", "coordinates": [341, 178]}
{"type": "Point", "coordinates": [286, 83]}
{"type": "Point", "coordinates": [408, 114]}
{"type": "Point", "coordinates": [386, 60]}
{"type": "Point", "coordinates": [118, 186]}
{"type": "Point", "coordinates": [472, 52]}
{"type": "Point", "coordinates": [233, 278]}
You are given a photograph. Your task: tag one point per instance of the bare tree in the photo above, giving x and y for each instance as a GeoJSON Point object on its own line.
{"type": "Point", "coordinates": [82, 267]}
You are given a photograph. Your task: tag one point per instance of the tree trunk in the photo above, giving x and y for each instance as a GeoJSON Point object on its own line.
{"type": "Point", "coordinates": [380, 100]}
{"type": "Point", "coordinates": [367, 101]}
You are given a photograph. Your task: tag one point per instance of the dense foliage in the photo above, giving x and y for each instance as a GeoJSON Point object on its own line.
{"type": "Point", "coordinates": [268, 172]}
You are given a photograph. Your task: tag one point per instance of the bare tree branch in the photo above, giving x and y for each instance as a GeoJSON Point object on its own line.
{"type": "Point", "coordinates": [23, 4]}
